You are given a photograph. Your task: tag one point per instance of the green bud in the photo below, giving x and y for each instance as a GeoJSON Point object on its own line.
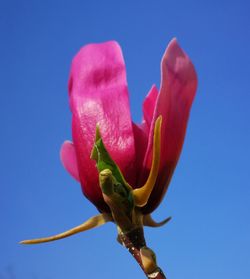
{"type": "Point", "coordinates": [106, 182]}
{"type": "Point", "coordinates": [148, 259]}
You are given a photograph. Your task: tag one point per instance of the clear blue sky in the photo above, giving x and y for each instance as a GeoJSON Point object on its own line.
{"type": "Point", "coordinates": [209, 197]}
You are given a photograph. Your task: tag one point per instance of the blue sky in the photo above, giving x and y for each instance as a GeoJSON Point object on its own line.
{"type": "Point", "coordinates": [210, 192]}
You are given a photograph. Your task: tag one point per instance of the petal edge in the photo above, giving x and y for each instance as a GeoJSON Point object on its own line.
{"type": "Point", "coordinates": [68, 158]}
{"type": "Point", "coordinates": [177, 91]}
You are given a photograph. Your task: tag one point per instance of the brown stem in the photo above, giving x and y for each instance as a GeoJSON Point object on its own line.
{"type": "Point", "coordinates": [134, 241]}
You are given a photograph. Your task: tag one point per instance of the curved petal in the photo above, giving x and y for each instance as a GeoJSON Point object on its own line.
{"type": "Point", "coordinates": [68, 158]}
{"type": "Point", "coordinates": [98, 94]}
{"type": "Point", "coordinates": [149, 105]}
{"type": "Point", "coordinates": [141, 142]}
{"type": "Point", "coordinates": [141, 131]}
{"type": "Point", "coordinates": [177, 91]}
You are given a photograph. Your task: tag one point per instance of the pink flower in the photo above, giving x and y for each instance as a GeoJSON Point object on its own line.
{"type": "Point", "coordinates": [98, 94]}
{"type": "Point", "coordinates": [131, 165]}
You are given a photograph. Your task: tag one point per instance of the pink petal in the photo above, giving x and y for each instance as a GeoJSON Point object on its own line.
{"type": "Point", "coordinates": [68, 158]}
{"type": "Point", "coordinates": [149, 106]}
{"type": "Point", "coordinates": [98, 94]}
{"type": "Point", "coordinates": [141, 131]}
{"type": "Point", "coordinates": [178, 87]}
{"type": "Point", "coordinates": [141, 142]}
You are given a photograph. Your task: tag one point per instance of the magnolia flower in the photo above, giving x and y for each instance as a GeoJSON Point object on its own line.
{"type": "Point", "coordinates": [125, 168]}
{"type": "Point", "coordinates": [98, 94]}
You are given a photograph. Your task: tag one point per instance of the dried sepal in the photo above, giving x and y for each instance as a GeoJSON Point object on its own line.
{"type": "Point", "coordinates": [142, 194]}
{"type": "Point", "coordinates": [150, 222]}
{"type": "Point", "coordinates": [93, 222]}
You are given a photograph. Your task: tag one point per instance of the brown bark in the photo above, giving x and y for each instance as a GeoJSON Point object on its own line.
{"type": "Point", "coordinates": [134, 241]}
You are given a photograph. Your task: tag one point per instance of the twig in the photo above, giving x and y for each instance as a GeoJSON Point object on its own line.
{"type": "Point", "coordinates": [134, 241]}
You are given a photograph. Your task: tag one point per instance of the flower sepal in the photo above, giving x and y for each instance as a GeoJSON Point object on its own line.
{"type": "Point", "coordinates": [124, 201]}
